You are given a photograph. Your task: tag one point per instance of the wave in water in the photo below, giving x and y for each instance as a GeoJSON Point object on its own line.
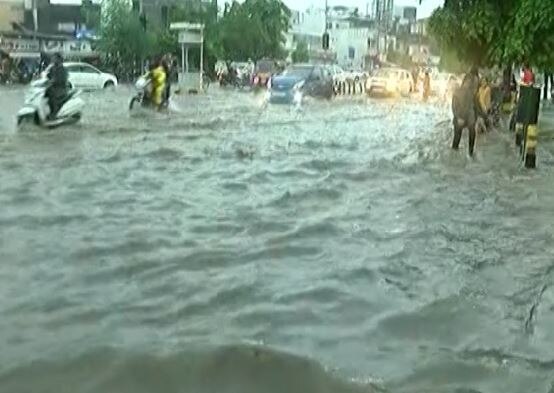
{"type": "Point", "coordinates": [231, 369]}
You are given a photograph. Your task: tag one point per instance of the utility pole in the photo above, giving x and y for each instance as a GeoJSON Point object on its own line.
{"type": "Point", "coordinates": [35, 15]}
{"type": "Point", "coordinates": [326, 38]}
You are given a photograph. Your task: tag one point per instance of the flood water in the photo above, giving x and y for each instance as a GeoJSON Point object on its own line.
{"type": "Point", "coordinates": [227, 247]}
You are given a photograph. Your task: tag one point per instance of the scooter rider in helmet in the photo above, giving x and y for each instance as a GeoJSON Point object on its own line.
{"type": "Point", "coordinates": [158, 78]}
{"type": "Point", "coordinates": [57, 91]}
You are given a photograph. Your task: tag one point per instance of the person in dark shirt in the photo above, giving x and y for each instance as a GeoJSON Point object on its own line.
{"type": "Point", "coordinates": [166, 64]}
{"type": "Point", "coordinates": [57, 91]}
{"type": "Point", "coordinates": [464, 109]}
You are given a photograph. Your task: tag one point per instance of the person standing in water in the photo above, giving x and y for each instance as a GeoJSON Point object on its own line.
{"type": "Point", "coordinates": [426, 86]}
{"type": "Point", "coordinates": [464, 109]}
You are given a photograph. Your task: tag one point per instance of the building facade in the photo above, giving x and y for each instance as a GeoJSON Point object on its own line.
{"type": "Point", "coordinates": [307, 27]}
{"type": "Point", "coordinates": [353, 38]}
{"type": "Point", "coordinates": [32, 27]}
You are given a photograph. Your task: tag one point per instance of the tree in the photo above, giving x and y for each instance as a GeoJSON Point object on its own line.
{"type": "Point", "coordinates": [531, 35]}
{"type": "Point", "coordinates": [122, 36]}
{"type": "Point", "coordinates": [91, 14]}
{"type": "Point", "coordinates": [206, 14]}
{"type": "Point", "coordinates": [496, 32]}
{"type": "Point", "coordinates": [469, 27]}
{"type": "Point", "coordinates": [254, 29]}
{"type": "Point", "coordinates": [300, 54]}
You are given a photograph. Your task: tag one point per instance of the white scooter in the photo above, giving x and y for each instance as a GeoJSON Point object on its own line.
{"type": "Point", "coordinates": [143, 95]}
{"type": "Point", "coordinates": [143, 87]}
{"type": "Point", "coordinates": [36, 108]}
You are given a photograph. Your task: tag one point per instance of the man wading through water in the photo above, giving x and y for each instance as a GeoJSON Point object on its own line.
{"type": "Point", "coordinates": [464, 109]}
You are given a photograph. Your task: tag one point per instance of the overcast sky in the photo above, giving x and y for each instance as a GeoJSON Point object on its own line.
{"type": "Point", "coordinates": [427, 6]}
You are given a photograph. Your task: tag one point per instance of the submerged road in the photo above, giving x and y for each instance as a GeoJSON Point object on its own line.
{"type": "Point", "coordinates": [228, 247]}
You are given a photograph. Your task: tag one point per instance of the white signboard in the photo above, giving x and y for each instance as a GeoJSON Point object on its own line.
{"type": "Point", "coordinates": [67, 47]}
{"type": "Point", "coordinates": [190, 37]}
{"type": "Point", "coordinates": [18, 45]}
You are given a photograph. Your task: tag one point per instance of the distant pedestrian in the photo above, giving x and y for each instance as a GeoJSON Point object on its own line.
{"type": "Point", "coordinates": [415, 76]}
{"type": "Point", "coordinates": [426, 85]}
{"type": "Point", "coordinates": [548, 81]}
{"type": "Point", "coordinates": [6, 68]}
{"type": "Point", "coordinates": [527, 75]}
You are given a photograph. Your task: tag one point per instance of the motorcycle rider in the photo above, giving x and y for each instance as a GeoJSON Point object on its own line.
{"type": "Point", "coordinates": [167, 66]}
{"type": "Point", "coordinates": [57, 91]}
{"type": "Point", "coordinates": [158, 78]}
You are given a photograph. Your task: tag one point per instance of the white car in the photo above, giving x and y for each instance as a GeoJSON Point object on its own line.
{"type": "Point", "coordinates": [391, 82]}
{"type": "Point", "coordinates": [84, 76]}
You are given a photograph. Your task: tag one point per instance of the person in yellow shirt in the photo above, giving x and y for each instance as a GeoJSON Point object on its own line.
{"type": "Point", "coordinates": [158, 78]}
{"type": "Point", "coordinates": [484, 106]}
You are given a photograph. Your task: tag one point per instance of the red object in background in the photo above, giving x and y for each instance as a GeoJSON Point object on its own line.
{"type": "Point", "coordinates": [528, 77]}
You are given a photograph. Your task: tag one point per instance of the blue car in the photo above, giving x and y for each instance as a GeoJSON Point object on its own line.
{"type": "Point", "coordinates": [298, 81]}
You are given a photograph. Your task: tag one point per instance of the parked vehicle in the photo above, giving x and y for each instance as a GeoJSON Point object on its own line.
{"type": "Point", "coordinates": [298, 81]}
{"type": "Point", "coordinates": [85, 76]}
{"type": "Point", "coordinates": [390, 82]}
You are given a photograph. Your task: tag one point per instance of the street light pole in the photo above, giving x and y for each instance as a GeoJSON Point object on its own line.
{"type": "Point", "coordinates": [326, 14]}
{"type": "Point", "coordinates": [326, 33]}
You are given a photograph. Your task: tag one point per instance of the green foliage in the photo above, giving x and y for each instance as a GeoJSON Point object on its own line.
{"type": "Point", "coordinates": [466, 27]}
{"type": "Point", "coordinates": [91, 14]}
{"type": "Point", "coordinates": [402, 59]}
{"type": "Point", "coordinates": [300, 54]}
{"type": "Point", "coordinates": [122, 35]}
{"type": "Point", "coordinates": [254, 29]}
{"type": "Point", "coordinates": [451, 63]}
{"type": "Point", "coordinates": [531, 35]}
{"type": "Point", "coordinates": [496, 32]}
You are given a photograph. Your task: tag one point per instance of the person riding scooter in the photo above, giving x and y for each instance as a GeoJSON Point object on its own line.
{"type": "Point", "coordinates": [158, 77]}
{"type": "Point", "coordinates": [57, 91]}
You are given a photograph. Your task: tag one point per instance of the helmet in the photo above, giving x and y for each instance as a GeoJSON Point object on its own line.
{"type": "Point", "coordinates": [57, 58]}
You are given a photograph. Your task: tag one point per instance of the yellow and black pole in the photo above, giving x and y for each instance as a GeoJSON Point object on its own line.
{"type": "Point", "coordinates": [527, 116]}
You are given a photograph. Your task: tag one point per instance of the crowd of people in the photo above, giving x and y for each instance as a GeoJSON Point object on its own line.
{"type": "Point", "coordinates": [476, 103]}
{"type": "Point", "coordinates": [17, 70]}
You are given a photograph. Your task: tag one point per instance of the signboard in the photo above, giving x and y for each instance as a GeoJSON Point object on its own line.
{"type": "Point", "coordinates": [68, 48]}
{"type": "Point", "coordinates": [19, 45]}
{"type": "Point", "coordinates": [26, 47]}
{"type": "Point", "coordinates": [190, 37]}
{"type": "Point", "coordinates": [186, 26]}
